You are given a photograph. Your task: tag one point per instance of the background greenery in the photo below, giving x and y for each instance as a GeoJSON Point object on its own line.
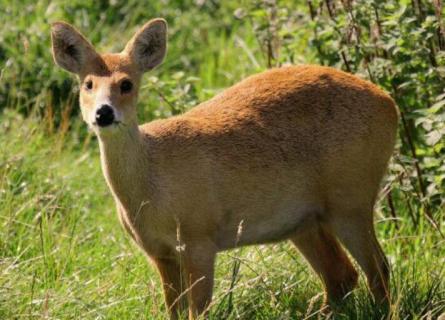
{"type": "Point", "coordinates": [63, 254]}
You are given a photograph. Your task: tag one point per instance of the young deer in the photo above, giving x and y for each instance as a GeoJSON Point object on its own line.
{"type": "Point", "coordinates": [291, 153]}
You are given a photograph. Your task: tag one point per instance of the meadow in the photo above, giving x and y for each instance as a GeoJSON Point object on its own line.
{"type": "Point", "coordinates": [63, 253]}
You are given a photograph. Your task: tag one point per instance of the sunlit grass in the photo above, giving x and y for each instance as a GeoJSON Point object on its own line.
{"type": "Point", "coordinates": [63, 254]}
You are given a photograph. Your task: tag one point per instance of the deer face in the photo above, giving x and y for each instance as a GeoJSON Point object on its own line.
{"type": "Point", "coordinates": [109, 83]}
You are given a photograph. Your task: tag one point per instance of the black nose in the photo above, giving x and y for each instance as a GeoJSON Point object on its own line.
{"type": "Point", "coordinates": [104, 116]}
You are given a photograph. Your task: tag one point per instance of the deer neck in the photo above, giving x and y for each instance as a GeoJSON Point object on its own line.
{"type": "Point", "coordinates": [125, 165]}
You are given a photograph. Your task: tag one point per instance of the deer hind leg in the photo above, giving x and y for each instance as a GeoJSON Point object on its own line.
{"type": "Point", "coordinates": [357, 234]}
{"type": "Point", "coordinates": [329, 261]}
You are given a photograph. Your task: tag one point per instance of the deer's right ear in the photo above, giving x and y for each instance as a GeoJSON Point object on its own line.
{"type": "Point", "coordinates": [71, 50]}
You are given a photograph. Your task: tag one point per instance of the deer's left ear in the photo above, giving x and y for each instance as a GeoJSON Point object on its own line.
{"type": "Point", "coordinates": [148, 46]}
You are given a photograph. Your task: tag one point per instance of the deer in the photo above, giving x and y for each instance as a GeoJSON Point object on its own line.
{"type": "Point", "coordinates": [293, 153]}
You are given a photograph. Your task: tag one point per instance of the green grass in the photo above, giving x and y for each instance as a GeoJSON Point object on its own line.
{"type": "Point", "coordinates": [63, 253]}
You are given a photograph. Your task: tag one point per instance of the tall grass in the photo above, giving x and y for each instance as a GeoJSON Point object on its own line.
{"type": "Point", "coordinates": [64, 255]}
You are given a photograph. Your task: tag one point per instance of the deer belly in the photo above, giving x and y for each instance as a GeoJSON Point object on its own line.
{"type": "Point", "coordinates": [260, 226]}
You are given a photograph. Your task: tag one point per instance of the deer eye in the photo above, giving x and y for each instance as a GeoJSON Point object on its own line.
{"type": "Point", "coordinates": [126, 86]}
{"type": "Point", "coordinates": [89, 85]}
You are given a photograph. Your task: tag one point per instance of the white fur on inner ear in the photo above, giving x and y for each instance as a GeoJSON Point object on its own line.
{"type": "Point", "coordinates": [148, 46]}
{"type": "Point", "coordinates": [70, 49]}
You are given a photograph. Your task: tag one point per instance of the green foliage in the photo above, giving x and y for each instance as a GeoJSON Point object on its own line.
{"type": "Point", "coordinates": [62, 253]}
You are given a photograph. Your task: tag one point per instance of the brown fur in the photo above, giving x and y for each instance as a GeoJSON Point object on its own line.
{"type": "Point", "coordinates": [291, 153]}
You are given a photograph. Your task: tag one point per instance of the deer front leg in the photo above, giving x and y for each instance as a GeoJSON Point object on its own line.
{"type": "Point", "coordinates": [172, 281]}
{"type": "Point", "coordinates": [199, 266]}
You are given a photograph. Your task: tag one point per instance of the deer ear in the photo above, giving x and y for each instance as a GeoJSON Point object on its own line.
{"type": "Point", "coordinates": [148, 46]}
{"type": "Point", "coordinates": [71, 50]}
